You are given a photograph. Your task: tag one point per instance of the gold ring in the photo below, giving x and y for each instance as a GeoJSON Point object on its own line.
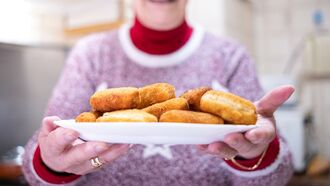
{"type": "Point", "coordinates": [96, 163]}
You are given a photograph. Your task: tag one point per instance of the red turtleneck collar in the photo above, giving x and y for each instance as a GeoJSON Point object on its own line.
{"type": "Point", "coordinates": [159, 42]}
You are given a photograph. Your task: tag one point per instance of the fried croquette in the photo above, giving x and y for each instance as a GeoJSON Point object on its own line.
{"type": "Point", "coordinates": [172, 104]}
{"type": "Point", "coordinates": [155, 93]}
{"type": "Point", "coordinates": [115, 99]}
{"type": "Point", "coordinates": [193, 97]}
{"type": "Point", "coordinates": [88, 116]}
{"type": "Point", "coordinates": [158, 101]}
{"type": "Point", "coordinates": [232, 108]}
{"type": "Point", "coordinates": [130, 115]}
{"type": "Point", "coordinates": [185, 116]}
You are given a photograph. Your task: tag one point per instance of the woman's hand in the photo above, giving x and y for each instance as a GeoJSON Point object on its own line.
{"type": "Point", "coordinates": [254, 142]}
{"type": "Point", "coordinates": [62, 151]}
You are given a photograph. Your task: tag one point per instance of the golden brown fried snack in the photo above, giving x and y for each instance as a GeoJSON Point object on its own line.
{"type": "Point", "coordinates": [131, 115]}
{"type": "Point", "coordinates": [115, 99]}
{"type": "Point", "coordinates": [193, 97]}
{"type": "Point", "coordinates": [172, 104]}
{"type": "Point", "coordinates": [185, 116]}
{"type": "Point", "coordinates": [155, 93]}
{"type": "Point", "coordinates": [88, 116]}
{"type": "Point", "coordinates": [232, 108]}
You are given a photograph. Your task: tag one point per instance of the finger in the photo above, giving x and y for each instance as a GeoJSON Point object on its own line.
{"type": "Point", "coordinates": [48, 125]}
{"type": "Point", "coordinates": [60, 139]}
{"type": "Point", "coordinates": [82, 153]}
{"type": "Point", "coordinates": [265, 133]}
{"type": "Point", "coordinates": [112, 153]}
{"type": "Point", "coordinates": [78, 141]}
{"type": "Point", "coordinates": [271, 101]}
{"type": "Point", "coordinates": [222, 149]}
{"type": "Point", "coordinates": [238, 142]}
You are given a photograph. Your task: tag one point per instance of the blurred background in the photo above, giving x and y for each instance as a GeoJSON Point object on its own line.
{"type": "Point", "coordinates": [289, 40]}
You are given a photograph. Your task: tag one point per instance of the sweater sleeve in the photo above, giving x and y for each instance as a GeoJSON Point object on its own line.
{"type": "Point", "coordinates": [276, 168]}
{"type": "Point", "coordinates": [70, 97]}
{"type": "Point", "coordinates": [35, 172]}
{"type": "Point", "coordinates": [277, 173]}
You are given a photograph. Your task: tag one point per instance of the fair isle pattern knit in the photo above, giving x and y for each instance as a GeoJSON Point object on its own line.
{"type": "Point", "coordinates": [102, 59]}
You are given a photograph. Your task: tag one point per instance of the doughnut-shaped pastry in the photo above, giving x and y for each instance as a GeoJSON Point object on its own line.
{"type": "Point", "coordinates": [172, 104]}
{"type": "Point", "coordinates": [185, 116]}
{"type": "Point", "coordinates": [88, 116]}
{"type": "Point", "coordinates": [232, 108]}
{"type": "Point", "coordinates": [156, 93]}
{"type": "Point", "coordinates": [131, 115]}
{"type": "Point", "coordinates": [115, 99]}
{"type": "Point", "coordinates": [193, 97]}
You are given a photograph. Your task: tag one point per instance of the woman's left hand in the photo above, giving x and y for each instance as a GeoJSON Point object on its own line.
{"type": "Point", "coordinates": [255, 141]}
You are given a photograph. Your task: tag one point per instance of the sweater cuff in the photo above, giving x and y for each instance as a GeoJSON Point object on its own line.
{"type": "Point", "coordinates": [48, 175]}
{"type": "Point", "coordinates": [270, 156]}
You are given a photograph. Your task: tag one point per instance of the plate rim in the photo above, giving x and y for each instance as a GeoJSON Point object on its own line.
{"type": "Point", "coordinates": [153, 124]}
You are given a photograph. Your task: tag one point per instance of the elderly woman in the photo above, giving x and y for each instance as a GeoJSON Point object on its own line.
{"type": "Point", "coordinates": [159, 47]}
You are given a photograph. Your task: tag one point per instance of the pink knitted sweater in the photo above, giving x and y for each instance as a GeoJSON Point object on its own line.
{"type": "Point", "coordinates": [111, 60]}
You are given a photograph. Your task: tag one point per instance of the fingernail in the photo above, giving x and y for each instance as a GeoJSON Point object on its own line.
{"type": "Point", "coordinates": [100, 148]}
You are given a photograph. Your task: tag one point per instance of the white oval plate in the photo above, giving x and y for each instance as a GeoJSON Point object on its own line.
{"type": "Point", "coordinates": [153, 132]}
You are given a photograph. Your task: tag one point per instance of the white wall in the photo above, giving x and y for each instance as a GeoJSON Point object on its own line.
{"type": "Point", "coordinates": [38, 22]}
{"type": "Point", "coordinates": [43, 21]}
{"type": "Point", "coordinates": [229, 18]}
{"type": "Point", "coordinates": [279, 26]}
{"type": "Point", "coordinates": [208, 13]}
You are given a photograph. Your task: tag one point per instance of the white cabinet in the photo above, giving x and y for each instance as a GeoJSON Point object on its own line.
{"type": "Point", "coordinates": [291, 126]}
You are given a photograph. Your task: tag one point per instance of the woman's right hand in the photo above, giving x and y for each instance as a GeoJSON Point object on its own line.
{"type": "Point", "coordinates": [62, 151]}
